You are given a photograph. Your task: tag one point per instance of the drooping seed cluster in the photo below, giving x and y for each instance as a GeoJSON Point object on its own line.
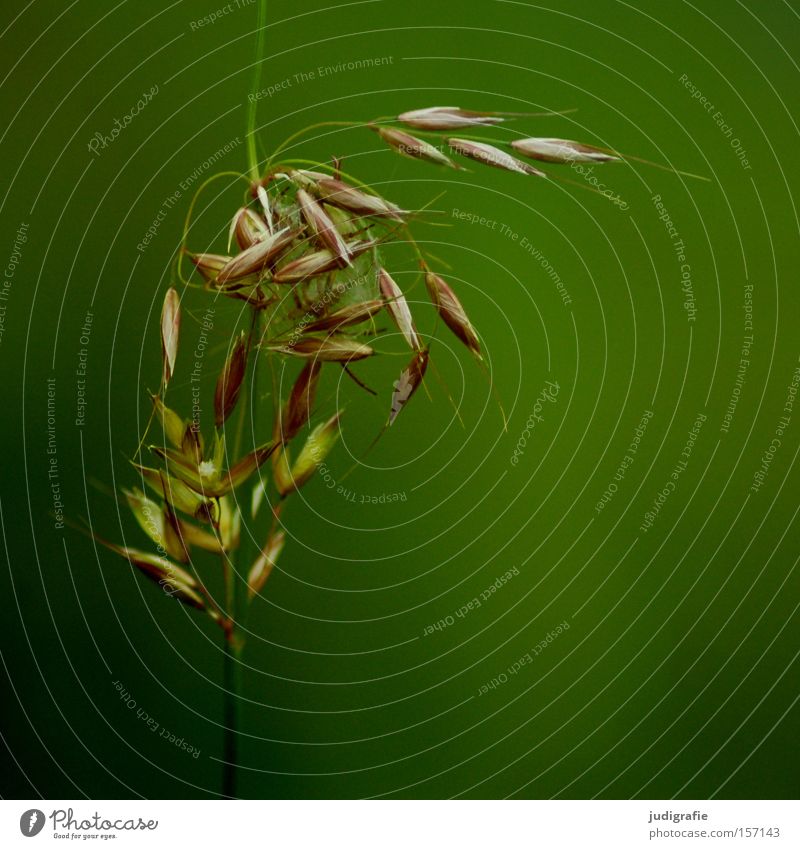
{"type": "Point", "coordinates": [304, 255]}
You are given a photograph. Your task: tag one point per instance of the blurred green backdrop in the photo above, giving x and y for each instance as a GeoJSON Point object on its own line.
{"type": "Point", "coordinates": [677, 675]}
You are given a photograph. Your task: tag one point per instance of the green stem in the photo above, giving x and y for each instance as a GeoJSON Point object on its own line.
{"type": "Point", "coordinates": [252, 154]}
{"type": "Point", "coordinates": [235, 584]}
{"type": "Point", "coordinates": [231, 687]}
{"type": "Point", "coordinates": [236, 567]}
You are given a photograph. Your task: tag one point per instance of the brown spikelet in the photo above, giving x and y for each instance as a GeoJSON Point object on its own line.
{"type": "Point", "coordinates": [346, 316]}
{"type": "Point", "coordinates": [408, 145]}
{"type": "Point", "coordinates": [301, 400]}
{"type": "Point", "coordinates": [452, 312]}
{"type": "Point", "coordinates": [253, 259]}
{"type": "Point", "coordinates": [317, 263]}
{"type": "Point", "coordinates": [229, 382]}
{"type": "Point", "coordinates": [399, 309]}
{"type": "Point", "coordinates": [192, 443]}
{"type": "Point", "coordinates": [321, 224]}
{"type": "Point", "coordinates": [248, 228]}
{"type": "Point", "coordinates": [487, 154]}
{"type": "Point", "coordinates": [447, 118]}
{"type": "Point", "coordinates": [209, 265]}
{"type": "Point", "coordinates": [170, 331]}
{"type": "Point", "coordinates": [333, 349]}
{"type": "Point", "coordinates": [174, 542]}
{"type": "Point", "coordinates": [561, 150]}
{"type": "Point", "coordinates": [174, 580]}
{"type": "Point", "coordinates": [354, 200]}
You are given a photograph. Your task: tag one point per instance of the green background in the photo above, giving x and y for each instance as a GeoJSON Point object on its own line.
{"type": "Point", "coordinates": [678, 673]}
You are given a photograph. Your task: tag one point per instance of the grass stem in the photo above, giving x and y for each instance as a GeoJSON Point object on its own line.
{"type": "Point", "coordinates": [252, 154]}
{"type": "Point", "coordinates": [231, 688]}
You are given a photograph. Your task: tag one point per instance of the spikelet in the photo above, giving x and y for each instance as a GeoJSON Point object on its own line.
{"type": "Point", "coordinates": [398, 308]}
{"type": "Point", "coordinates": [447, 118]}
{"type": "Point", "coordinates": [230, 381]}
{"type": "Point", "coordinates": [452, 312]}
{"type": "Point", "coordinates": [170, 331]}
{"type": "Point", "coordinates": [561, 150]}
{"type": "Point", "coordinates": [414, 148]}
{"type": "Point", "coordinates": [488, 154]}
